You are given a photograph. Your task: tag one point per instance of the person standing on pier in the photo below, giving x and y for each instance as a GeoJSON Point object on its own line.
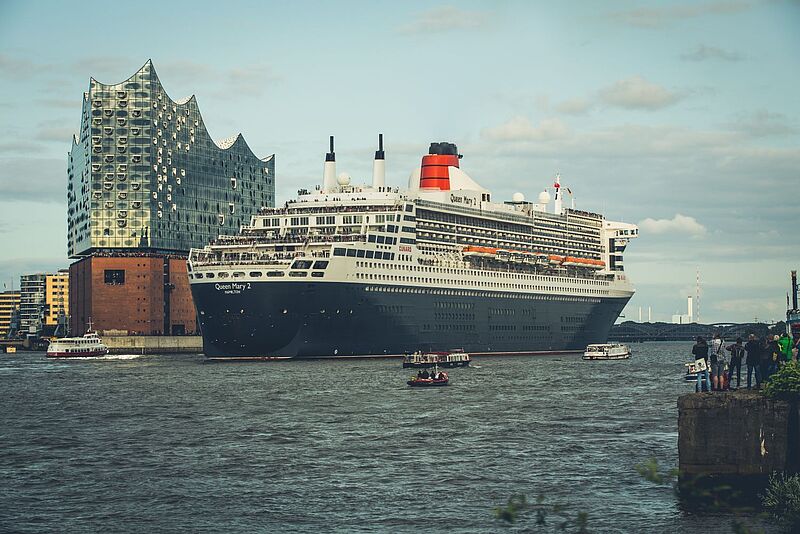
{"type": "Point", "coordinates": [753, 352]}
{"type": "Point", "coordinates": [717, 355]}
{"type": "Point", "coordinates": [785, 346]}
{"type": "Point", "coordinates": [737, 352]}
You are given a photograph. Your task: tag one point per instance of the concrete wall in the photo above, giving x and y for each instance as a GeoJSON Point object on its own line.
{"type": "Point", "coordinates": [738, 434]}
{"type": "Point", "coordinates": [153, 344]}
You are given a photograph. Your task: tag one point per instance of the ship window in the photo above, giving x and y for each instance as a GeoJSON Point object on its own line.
{"type": "Point", "coordinates": [360, 253]}
{"type": "Point", "coordinates": [114, 277]}
{"type": "Point", "coordinates": [238, 274]}
{"type": "Point", "coordinates": [371, 238]}
{"type": "Point", "coordinates": [351, 253]}
{"type": "Point", "coordinates": [275, 273]}
{"type": "Point", "coordinates": [320, 264]}
{"type": "Point", "coordinates": [318, 274]}
{"type": "Point", "coordinates": [298, 273]}
{"type": "Point", "coordinates": [338, 252]}
{"type": "Point", "coordinates": [255, 274]}
{"type": "Point", "coordinates": [301, 264]}
{"type": "Point", "coordinates": [370, 254]}
{"type": "Point", "coordinates": [223, 274]}
{"type": "Point", "coordinates": [209, 275]}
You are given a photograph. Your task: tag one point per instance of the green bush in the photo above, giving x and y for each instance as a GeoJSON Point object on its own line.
{"type": "Point", "coordinates": [785, 384]}
{"type": "Point", "coordinates": [782, 499]}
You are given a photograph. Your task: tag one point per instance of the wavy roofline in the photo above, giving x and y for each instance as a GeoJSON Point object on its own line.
{"type": "Point", "coordinates": [185, 102]}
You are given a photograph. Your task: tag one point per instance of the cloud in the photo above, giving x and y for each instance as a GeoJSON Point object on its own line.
{"type": "Point", "coordinates": [56, 130]}
{"type": "Point", "coordinates": [637, 93]}
{"type": "Point", "coordinates": [18, 67]}
{"type": "Point", "coordinates": [521, 129]}
{"type": "Point", "coordinates": [763, 123]}
{"type": "Point", "coordinates": [705, 53]}
{"type": "Point", "coordinates": [445, 18]}
{"type": "Point", "coordinates": [574, 106]}
{"type": "Point", "coordinates": [33, 179]}
{"type": "Point", "coordinates": [12, 269]}
{"type": "Point", "coordinates": [73, 104]}
{"type": "Point", "coordinates": [17, 147]}
{"type": "Point", "coordinates": [253, 80]}
{"type": "Point", "coordinates": [659, 17]}
{"type": "Point", "coordinates": [108, 69]}
{"type": "Point", "coordinates": [680, 224]}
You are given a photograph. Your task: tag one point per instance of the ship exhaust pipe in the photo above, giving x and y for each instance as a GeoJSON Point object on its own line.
{"type": "Point", "coordinates": [329, 172]}
{"type": "Point", "coordinates": [379, 166]}
{"type": "Point", "coordinates": [435, 170]}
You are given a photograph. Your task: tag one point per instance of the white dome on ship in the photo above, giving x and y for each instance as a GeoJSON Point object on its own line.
{"type": "Point", "coordinates": [544, 197]}
{"type": "Point", "coordinates": [518, 197]}
{"type": "Point", "coordinates": [343, 178]}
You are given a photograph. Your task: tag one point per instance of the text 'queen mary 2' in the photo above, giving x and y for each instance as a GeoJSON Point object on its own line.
{"type": "Point", "coordinates": [349, 270]}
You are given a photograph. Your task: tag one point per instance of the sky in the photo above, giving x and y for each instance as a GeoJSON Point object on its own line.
{"type": "Point", "coordinates": [682, 117]}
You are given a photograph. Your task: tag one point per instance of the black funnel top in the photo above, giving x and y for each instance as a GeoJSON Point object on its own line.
{"type": "Point", "coordinates": [444, 149]}
{"type": "Point", "coordinates": [379, 154]}
{"type": "Point", "coordinates": [331, 156]}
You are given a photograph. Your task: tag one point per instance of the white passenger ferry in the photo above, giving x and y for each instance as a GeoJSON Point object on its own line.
{"type": "Point", "coordinates": [358, 270]}
{"type": "Point", "coordinates": [607, 351]}
{"type": "Point", "coordinates": [86, 346]}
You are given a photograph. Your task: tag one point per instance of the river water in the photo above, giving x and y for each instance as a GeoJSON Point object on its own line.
{"type": "Point", "coordinates": [170, 443]}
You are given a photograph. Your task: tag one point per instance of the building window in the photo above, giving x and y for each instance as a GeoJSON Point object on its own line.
{"type": "Point", "coordinates": [114, 277]}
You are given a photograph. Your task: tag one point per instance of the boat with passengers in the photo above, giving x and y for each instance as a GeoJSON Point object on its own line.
{"type": "Point", "coordinates": [87, 346]}
{"type": "Point", "coordinates": [452, 358]}
{"type": "Point", "coordinates": [607, 351]}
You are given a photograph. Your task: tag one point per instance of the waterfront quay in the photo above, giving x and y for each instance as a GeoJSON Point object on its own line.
{"type": "Point", "coordinates": [633, 332]}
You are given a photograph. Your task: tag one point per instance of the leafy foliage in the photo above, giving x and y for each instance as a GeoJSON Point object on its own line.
{"type": "Point", "coordinates": [649, 471]}
{"type": "Point", "coordinates": [555, 515]}
{"type": "Point", "coordinates": [782, 499]}
{"type": "Point", "coordinates": [785, 384]}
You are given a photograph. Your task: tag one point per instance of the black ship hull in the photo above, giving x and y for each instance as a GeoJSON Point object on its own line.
{"type": "Point", "coordinates": [316, 320]}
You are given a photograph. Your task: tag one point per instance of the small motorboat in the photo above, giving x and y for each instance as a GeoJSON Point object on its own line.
{"type": "Point", "coordinates": [607, 351]}
{"type": "Point", "coordinates": [425, 380]}
{"type": "Point", "coordinates": [693, 369]}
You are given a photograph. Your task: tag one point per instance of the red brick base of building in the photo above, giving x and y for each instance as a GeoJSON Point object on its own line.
{"type": "Point", "coordinates": [146, 295]}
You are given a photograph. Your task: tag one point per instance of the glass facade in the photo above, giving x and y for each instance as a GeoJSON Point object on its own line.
{"type": "Point", "coordinates": [32, 301]}
{"type": "Point", "coordinates": [145, 174]}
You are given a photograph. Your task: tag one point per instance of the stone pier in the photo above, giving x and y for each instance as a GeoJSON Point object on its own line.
{"type": "Point", "coordinates": [153, 344]}
{"type": "Point", "coordinates": [738, 436]}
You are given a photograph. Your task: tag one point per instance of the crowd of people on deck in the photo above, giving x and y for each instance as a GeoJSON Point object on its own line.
{"type": "Point", "coordinates": [425, 375]}
{"type": "Point", "coordinates": [763, 357]}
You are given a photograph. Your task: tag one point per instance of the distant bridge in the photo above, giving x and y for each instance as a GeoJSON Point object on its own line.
{"type": "Point", "coordinates": [634, 332]}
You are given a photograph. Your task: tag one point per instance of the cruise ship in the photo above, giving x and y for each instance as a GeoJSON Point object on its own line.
{"type": "Point", "coordinates": [371, 270]}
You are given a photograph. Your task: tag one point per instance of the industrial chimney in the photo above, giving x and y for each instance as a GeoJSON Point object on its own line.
{"type": "Point", "coordinates": [794, 290]}
{"type": "Point", "coordinates": [329, 173]}
{"type": "Point", "coordinates": [379, 166]}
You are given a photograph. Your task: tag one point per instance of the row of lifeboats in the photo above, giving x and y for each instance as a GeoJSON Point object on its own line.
{"type": "Point", "coordinates": [539, 258]}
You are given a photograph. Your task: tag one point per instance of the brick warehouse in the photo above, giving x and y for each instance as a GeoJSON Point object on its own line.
{"type": "Point", "coordinates": [143, 294]}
